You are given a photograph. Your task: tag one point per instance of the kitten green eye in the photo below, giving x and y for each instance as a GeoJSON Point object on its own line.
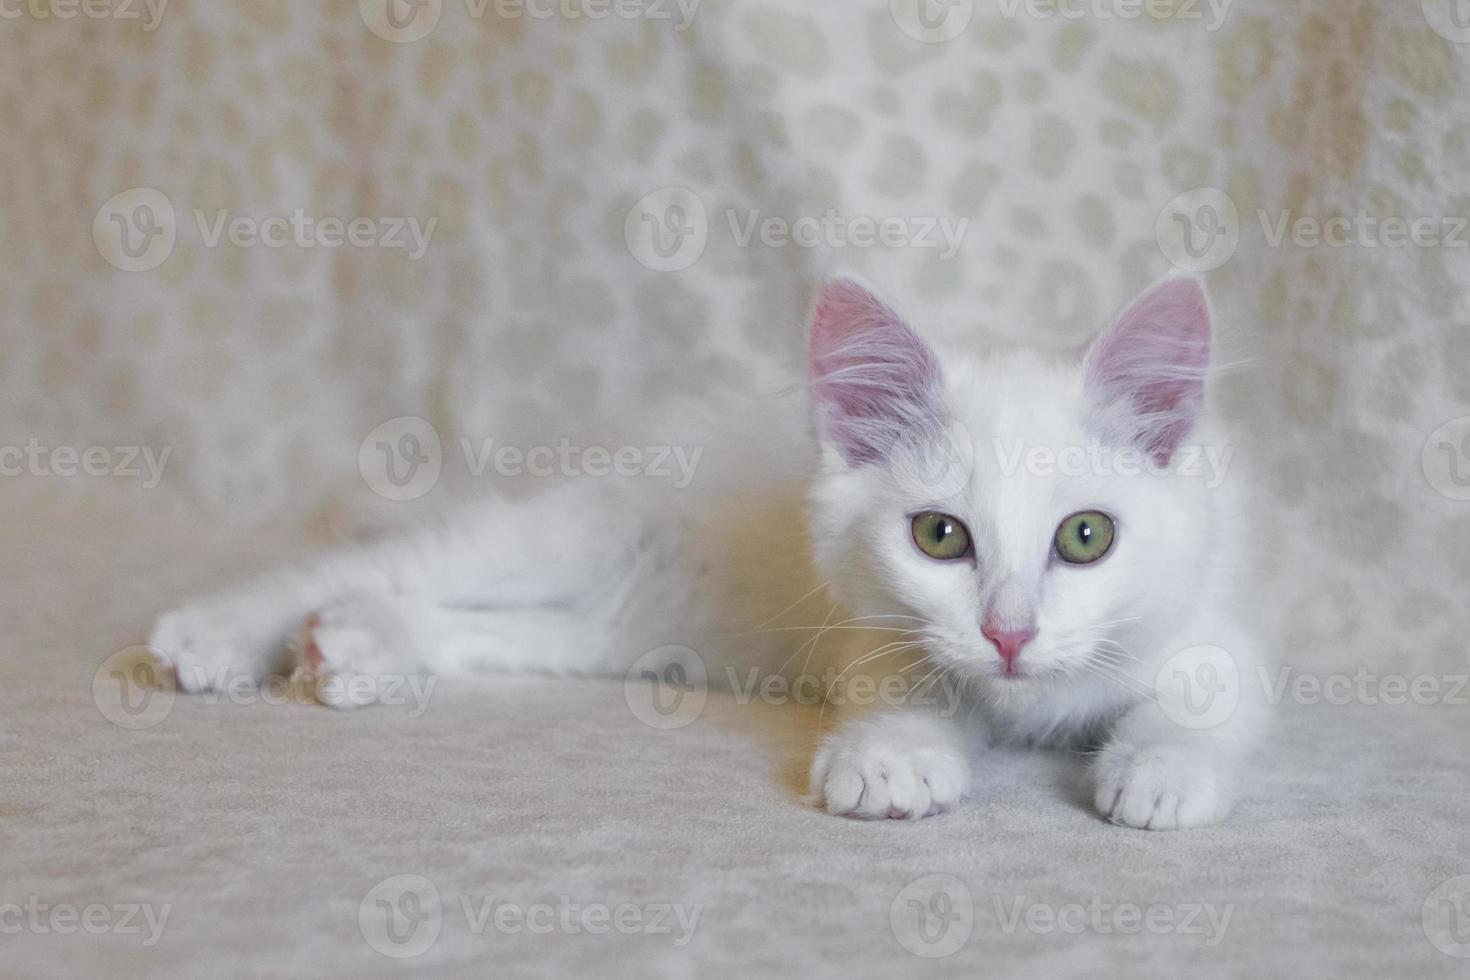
{"type": "Point", "coordinates": [1085, 538]}
{"type": "Point", "coordinates": [941, 537]}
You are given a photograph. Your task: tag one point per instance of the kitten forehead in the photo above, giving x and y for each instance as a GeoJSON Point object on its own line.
{"type": "Point", "coordinates": [1012, 403]}
{"type": "Point", "coordinates": [1019, 395]}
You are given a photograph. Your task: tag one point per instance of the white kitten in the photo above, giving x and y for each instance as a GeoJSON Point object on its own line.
{"type": "Point", "coordinates": [1016, 527]}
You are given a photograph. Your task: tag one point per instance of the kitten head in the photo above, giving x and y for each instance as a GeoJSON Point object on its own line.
{"type": "Point", "coordinates": [1026, 510]}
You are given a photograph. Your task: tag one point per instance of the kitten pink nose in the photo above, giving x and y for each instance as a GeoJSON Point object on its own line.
{"type": "Point", "coordinates": [1008, 642]}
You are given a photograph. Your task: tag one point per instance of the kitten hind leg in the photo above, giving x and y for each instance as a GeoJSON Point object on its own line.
{"type": "Point", "coordinates": [478, 556]}
{"type": "Point", "coordinates": [241, 631]}
{"type": "Point", "coordinates": [359, 650]}
{"type": "Point", "coordinates": [557, 582]}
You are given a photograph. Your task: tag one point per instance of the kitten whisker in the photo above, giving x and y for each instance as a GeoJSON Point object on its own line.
{"type": "Point", "coordinates": [788, 609]}
{"type": "Point", "coordinates": [890, 649]}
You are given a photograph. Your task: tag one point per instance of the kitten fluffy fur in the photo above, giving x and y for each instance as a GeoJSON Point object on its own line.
{"type": "Point", "coordinates": [593, 577]}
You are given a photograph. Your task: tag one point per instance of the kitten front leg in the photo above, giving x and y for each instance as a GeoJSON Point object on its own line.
{"type": "Point", "coordinates": [902, 763]}
{"type": "Point", "coordinates": [1162, 783]}
{"type": "Point", "coordinates": [1169, 765]}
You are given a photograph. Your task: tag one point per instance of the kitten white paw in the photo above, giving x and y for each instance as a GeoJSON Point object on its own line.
{"type": "Point", "coordinates": [352, 652]}
{"type": "Point", "coordinates": [888, 771]}
{"type": "Point", "coordinates": [1164, 787]}
{"type": "Point", "coordinates": [209, 644]}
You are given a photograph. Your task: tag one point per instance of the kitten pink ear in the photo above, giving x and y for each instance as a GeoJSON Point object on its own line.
{"type": "Point", "coordinates": [874, 378]}
{"type": "Point", "coordinates": [1147, 374]}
